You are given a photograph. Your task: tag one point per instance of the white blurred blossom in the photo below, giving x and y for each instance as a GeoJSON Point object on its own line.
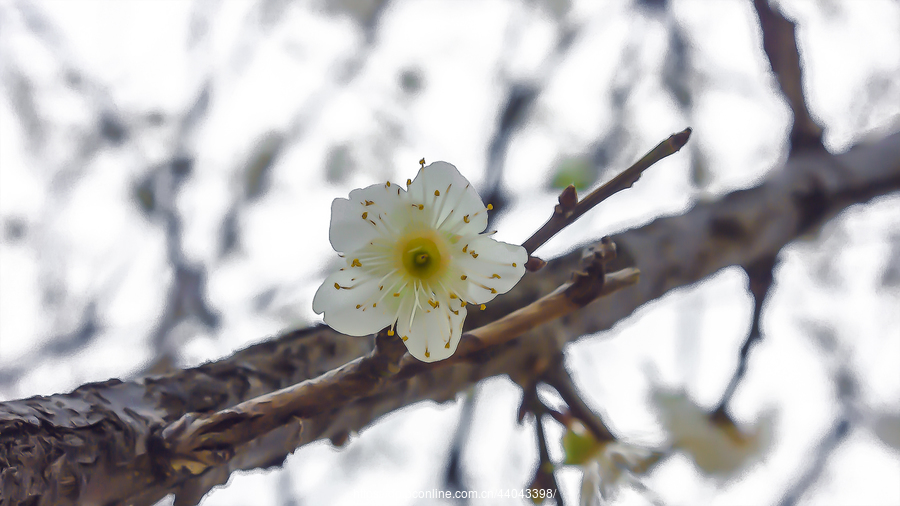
{"type": "Point", "coordinates": [715, 443]}
{"type": "Point", "coordinates": [605, 464]}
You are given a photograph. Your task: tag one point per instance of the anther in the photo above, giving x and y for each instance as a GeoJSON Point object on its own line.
{"type": "Point", "coordinates": [426, 353]}
{"type": "Point", "coordinates": [375, 303]}
{"type": "Point", "coordinates": [463, 277]}
{"type": "Point", "coordinates": [408, 182]}
{"type": "Point", "coordinates": [466, 248]}
{"type": "Point", "coordinates": [404, 338]}
{"type": "Point", "coordinates": [421, 207]}
{"type": "Point", "coordinates": [390, 332]}
{"type": "Point", "coordinates": [369, 202]}
{"type": "Point", "coordinates": [396, 294]}
{"type": "Point", "coordinates": [355, 263]}
{"type": "Point", "coordinates": [358, 306]}
{"type": "Point", "coordinates": [474, 255]}
{"type": "Point", "coordinates": [514, 264]}
{"type": "Point", "coordinates": [490, 206]}
{"type": "Point", "coordinates": [387, 185]}
{"type": "Point", "coordinates": [466, 218]}
{"type": "Point", "coordinates": [422, 163]}
{"type": "Point", "coordinates": [482, 307]}
{"type": "Point", "coordinates": [365, 215]}
{"type": "Point", "coordinates": [337, 286]}
{"type": "Point", "coordinates": [437, 193]}
{"type": "Point", "coordinates": [447, 344]}
{"type": "Point", "coordinates": [495, 276]}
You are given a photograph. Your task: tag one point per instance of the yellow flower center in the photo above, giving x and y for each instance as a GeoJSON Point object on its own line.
{"type": "Point", "coordinates": [423, 254]}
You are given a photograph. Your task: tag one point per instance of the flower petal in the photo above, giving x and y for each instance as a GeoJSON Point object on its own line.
{"type": "Point", "coordinates": [369, 213]}
{"type": "Point", "coordinates": [339, 304]}
{"type": "Point", "coordinates": [488, 264]}
{"type": "Point", "coordinates": [456, 207]}
{"type": "Point", "coordinates": [433, 335]}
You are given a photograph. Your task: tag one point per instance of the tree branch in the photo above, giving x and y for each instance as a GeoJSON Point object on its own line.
{"type": "Point", "coordinates": [780, 45]}
{"type": "Point", "coordinates": [570, 208]}
{"type": "Point", "coordinates": [75, 448]}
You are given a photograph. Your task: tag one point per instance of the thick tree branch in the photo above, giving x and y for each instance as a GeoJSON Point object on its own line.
{"type": "Point", "coordinates": [74, 448]}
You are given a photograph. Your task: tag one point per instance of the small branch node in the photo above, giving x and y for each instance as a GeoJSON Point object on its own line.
{"type": "Point", "coordinates": [568, 199]}
{"type": "Point", "coordinates": [534, 264]}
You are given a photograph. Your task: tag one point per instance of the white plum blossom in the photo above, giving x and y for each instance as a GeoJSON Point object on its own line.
{"type": "Point", "coordinates": [718, 446]}
{"type": "Point", "coordinates": [414, 259]}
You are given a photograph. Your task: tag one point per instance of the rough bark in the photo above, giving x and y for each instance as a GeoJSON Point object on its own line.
{"type": "Point", "coordinates": [101, 444]}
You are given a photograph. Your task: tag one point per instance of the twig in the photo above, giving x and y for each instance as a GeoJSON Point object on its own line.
{"type": "Point", "coordinates": [543, 475]}
{"type": "Point", "coordinates": [760, 275]}
{"type": "Point", "coordinates": [835, 436]}
{"type": "Point", "coordinates": [780, 45]}
{"type": "Point", "coordinates": [570, 209]}
{"type": "Point", "coordinates": [558, 377]}
{"type": "Point", "coordinates": [454, 479]}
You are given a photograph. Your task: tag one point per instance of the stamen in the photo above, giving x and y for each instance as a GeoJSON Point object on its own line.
{"type": "Point", "coordinates": [492, 290]}
{"type": "Point", "coordinates": [426, 352]}
{"type": "Point", "coordinates": [422, 163]}
{"type": "Point", "coordinates": [447, 345]}
{"type": "Point", "coordinates": [495, 276]}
